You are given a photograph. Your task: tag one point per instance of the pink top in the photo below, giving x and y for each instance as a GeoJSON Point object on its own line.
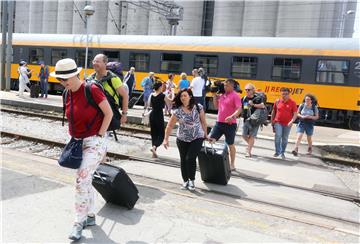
{"type": "Point", "coordinates": [228, 103]}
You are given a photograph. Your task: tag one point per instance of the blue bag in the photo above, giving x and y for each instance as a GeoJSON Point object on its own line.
{"type": "Point", "coordinates": [71, 155]}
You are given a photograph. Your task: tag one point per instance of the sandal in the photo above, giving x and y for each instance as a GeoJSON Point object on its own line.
{"type": "Point", "coordinates": [295, 151]}
{"type": "Point", "coordinates": [309, 152]}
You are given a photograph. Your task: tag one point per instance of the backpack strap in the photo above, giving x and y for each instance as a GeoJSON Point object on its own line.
{"type": "Point", "coordinates": [64, 98]}
{"type": "Point", "coordinates": [301, 107]}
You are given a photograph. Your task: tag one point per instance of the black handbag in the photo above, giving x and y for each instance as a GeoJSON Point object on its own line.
{"type": "Point", "coordinates": [71, 156]}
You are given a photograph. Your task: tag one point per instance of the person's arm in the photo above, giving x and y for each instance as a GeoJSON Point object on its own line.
{"type": "Point", "coordinates": [125, 100]}
{"type": "Point", "coordinates": [108, 114]}
{"type": "Point", "coordinates": [234, 115]}
{"type": "Point", "coordinates": [216, 101]}
{"type": "Point", "coordinates": [168, 130]}
{"type": "Point", "coordinates": [203, 123]}
{"type": "Point", "coordinates": [273, 112]}
{"type": "Point", "coordinates": [316, 116]}
{"type": "Point", "coordinates": [295, 114]}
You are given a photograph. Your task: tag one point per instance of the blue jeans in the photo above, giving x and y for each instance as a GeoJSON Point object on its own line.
{"type": "Point", "coordinates": [43, 87]}
{"type": "Point", "coordinates": [281, 138]}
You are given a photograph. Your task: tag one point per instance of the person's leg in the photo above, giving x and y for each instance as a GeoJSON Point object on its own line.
{"type": "Point", "coordinates": [21, 88]}
{"type": "Point", "coordinates": [42, 91]}
{"type": "Point", "coordinates": [250, 144]}
{"type": "Point", "coordinates": [232, 150]}
{"type": "Point", "coordinates": [285, 137]}
{"type": "Point", "coordinates": [309, 133]}
{"type": "Point", "coordinates": [183, 148]}
{"type": "Point", "coordinates": [192, 153]}
{"type": "Point", "coordinates": [252, 134]}
{"type": "Point", "coordinates": [27, 88]}
{"type": "Point", "coordinates": [216, 132]}
{"type": "Point", "coordinates": [278, 136]}
{"type": "Point", "coordinates": [46, 84]}
{"type": "Point", "coordinates": [230, 132]}
{"type": "Point", "coordinates": [93, 153]}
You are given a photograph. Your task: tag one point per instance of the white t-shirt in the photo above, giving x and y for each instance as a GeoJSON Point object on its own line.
{"type": "Point", "coordinates": [197, 85]}
{"type": "Point", "coordinates": [23, 74]}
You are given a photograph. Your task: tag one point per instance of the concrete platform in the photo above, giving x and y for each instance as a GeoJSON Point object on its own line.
{"type": "Point", "coordinates": [37, 205]}
{"type": "Point", "coordinates": [322, 135]}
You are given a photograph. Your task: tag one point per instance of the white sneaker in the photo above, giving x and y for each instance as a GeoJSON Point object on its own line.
{"type": "Point", "coordinates": [185, 185]}
{"type": "Point", "coordinates": [191, 186]}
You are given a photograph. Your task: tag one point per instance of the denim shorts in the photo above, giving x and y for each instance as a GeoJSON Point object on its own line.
{"type": "Point", "coordinates": [229, 130]}
{"type": "Point", "coordinates": [250, 130]}
{"type": "Point", "coordinates": [306, 127]}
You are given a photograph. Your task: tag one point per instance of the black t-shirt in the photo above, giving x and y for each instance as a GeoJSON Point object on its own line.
{"type": "Point", "coordinates": [256, 99]}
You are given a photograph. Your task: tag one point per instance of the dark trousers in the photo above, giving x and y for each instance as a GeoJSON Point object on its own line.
{"type": "Point", "coordinates": [188, 154]}
{"type": "Point", "coordinates": [157, 128]}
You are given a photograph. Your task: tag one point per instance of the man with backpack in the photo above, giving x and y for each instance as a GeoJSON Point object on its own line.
{"type": "Point", "coordinates": [250, 103]}
{"type": "Point", "coordinates": [111, 84]}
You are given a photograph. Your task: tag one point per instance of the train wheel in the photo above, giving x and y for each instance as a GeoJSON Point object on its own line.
{"type": "Point", "coordinates": [354, 123]}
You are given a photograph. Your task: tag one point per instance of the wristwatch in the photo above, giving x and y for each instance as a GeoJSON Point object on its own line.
{"type": "Point", "coordinates": [100, 135]}
{"type": "Point", "coordinates": [124, 113]}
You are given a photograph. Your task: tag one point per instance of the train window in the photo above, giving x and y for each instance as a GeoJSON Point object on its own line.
{"type": "Point", "coordinates": [209, 63]}
{"type": "Point", "coordinates": [36, 55]}
{"type": "Point", "coordinates": [332, 71]}
{"type": "Point", "coordinates": [286, 69]}
{"type": "Point", "coordinates": [112, 56]}
{"type": "Point", "coordinates": [57, 54]}
{"type": "Point", "coordinates": [244, 67]}
{"type": "Point", "coordinates": [80, 58]}
{"type": "Point", "coordinates": [140, 61]}
{"type": "Point", "coordinates": [171, 62]}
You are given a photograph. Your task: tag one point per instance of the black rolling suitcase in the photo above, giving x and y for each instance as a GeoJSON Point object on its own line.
{"type": "Point", "coordinates": [34, 90]}
{"type": "Point", "coordinates": [115, 186]}
{"type": "Point", "coordinates": [134, 100]}
{"type": "Point", "coordinates": [214, 164]}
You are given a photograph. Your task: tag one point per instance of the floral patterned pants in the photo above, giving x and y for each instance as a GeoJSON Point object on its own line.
{"type": "Point", "coordinates": [94, 151]}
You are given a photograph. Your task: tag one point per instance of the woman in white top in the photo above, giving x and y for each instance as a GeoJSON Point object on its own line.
{"type": "Point", "coordinates": [23, 78]}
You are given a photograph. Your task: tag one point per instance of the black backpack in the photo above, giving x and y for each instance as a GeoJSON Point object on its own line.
{"type": "Point", "coordinates": [260, 115]}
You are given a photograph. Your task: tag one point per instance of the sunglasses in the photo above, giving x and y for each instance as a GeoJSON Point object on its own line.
{"type": "Point", "coordinates": [248, 89]}
{"type": "Point", "coordinates": [62, 79]}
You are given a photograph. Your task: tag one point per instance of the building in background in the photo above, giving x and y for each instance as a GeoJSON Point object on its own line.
{"type": "Point", "coordinates": [277, 18]}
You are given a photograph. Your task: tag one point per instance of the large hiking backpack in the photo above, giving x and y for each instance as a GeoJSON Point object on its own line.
{"type": "Point", "coordinates": [116, 68]}
{"type": "Point", "coordinates": [260, 115]}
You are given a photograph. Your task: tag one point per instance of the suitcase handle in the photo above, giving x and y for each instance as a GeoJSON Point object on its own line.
{"type": "Point", "coordinates": [213, 150]}
{"type": "Point", "coordinates": [103, 179]}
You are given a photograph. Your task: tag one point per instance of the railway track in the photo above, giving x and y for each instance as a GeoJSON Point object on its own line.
{"type": "Point", "coordinates": [142, 132]}
{"type": "Point", "coordinates": [175, 163]}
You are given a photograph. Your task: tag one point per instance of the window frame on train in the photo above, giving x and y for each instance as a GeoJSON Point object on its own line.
{"type": "Point", "coordinates": [113, 56]}
{"type": "Point", "coordinates": [36, 58]}
{"type": "Point", "coordinates": [168, 62]}
{"type": "Point", "coordinates": [282, 69]}
{"type": "Point", "coordinates": [82, 64]}
{"type": "Point", "coordinates": [57, 57]}
{"type": "Point", "coordinates": [330, 73]}
{"type": "Point", "coordinates": [253, 61]}
{"type": "Point", "coordinates": [140, 65]}
{"type": "Point", "coordinates": [205, 66]}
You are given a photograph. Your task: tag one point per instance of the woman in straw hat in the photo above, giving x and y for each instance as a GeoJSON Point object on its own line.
{"type": "Point", "coordinates": [84, 122]}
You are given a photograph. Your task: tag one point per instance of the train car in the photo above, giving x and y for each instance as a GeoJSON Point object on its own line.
{"type": "Point", "coordinates": [327, 67]}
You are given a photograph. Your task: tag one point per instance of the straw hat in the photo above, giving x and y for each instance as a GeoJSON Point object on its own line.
{"type": "Point", "coordinates": [65, 68]}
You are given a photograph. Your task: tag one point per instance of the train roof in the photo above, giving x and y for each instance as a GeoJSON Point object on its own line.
{"type": "Point", "coordinates": [300, 46]}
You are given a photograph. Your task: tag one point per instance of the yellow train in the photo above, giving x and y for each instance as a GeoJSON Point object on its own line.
{"type": "Point", "coordinates": [326, 67]}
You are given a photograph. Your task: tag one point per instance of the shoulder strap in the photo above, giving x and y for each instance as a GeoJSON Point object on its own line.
{"type": "Point", "coordinates": [197, 107]}
{"type": "Point", "coordinates": [88, 95]}
{"type": "Point", "coordinates": [64, 98]}
{"type": "Point", "coordinates": [301, 107]}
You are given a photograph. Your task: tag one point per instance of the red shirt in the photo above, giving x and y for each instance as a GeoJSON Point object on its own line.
{"type": "Point", "coordinates": [84, 113]}
{"type": "Point", "coordinates": [284, 111]}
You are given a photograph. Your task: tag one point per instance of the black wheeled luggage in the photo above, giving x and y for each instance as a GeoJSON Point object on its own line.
{"type": "Point", "coordinates": [34, 90]}
{"type": "Point", "coordinates": [214, 164]}
{"type": "Point", "coordinates": [115, 186]}
{"type": "Point", "coordinates": [134, 100]}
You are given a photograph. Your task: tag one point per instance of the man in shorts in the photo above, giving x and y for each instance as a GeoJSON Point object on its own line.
{"type": "Point", "coordinates": [250, 103]}
{"type": "Point", "coordinates": [229, 108]}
